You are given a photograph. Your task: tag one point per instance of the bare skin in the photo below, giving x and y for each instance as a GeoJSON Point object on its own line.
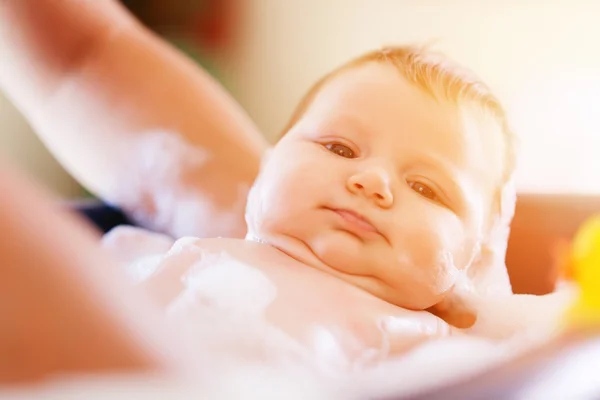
{"type": "Point", "coordinates": [92, 68]}
{"type": "Point", "coordinates": [69, 309]}
{"type": "Point", "coordinates": [305, 298]}
{"type": "Point", "coordinates": [72, 44]}
{"type": "Point", "coordinates": [65, 305]}
{"type": "Point", "coordinates": [93, 82]}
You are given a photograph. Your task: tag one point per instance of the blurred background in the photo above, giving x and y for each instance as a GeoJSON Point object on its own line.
{"type": "Point", "coordinates": [541, 58]}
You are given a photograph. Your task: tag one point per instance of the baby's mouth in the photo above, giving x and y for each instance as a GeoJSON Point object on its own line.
{"type": "Point", "coordinates": [356, 219]}
{"type": "Point", "coordinates": [355, 222]}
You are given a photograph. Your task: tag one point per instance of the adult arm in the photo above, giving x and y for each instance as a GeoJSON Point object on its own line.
{"type": "Point", "coordinates": [132, 119]}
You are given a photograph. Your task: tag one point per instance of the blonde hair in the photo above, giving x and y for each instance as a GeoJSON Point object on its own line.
{"type": "Point", "coordinates": [437, 76]}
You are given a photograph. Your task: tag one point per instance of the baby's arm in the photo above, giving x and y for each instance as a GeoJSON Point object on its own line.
{"type": "Point", "coordinates": [127, 115]}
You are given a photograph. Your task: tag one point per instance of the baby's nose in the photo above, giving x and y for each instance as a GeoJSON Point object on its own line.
{"type": "Point", "coordinates": [374, 184]}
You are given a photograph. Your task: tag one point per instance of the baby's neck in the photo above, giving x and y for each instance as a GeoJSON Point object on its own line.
{"type": "Point", "coordinates": [292, 248]}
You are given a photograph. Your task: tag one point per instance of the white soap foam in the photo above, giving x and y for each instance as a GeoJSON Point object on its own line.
{"type": "Point", "coordinates": [153, 192]}
{"type": "Point", "coordinates": [230, 285]}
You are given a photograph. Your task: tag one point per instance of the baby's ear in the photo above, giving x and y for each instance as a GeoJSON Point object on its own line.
{"type": "Point", "coordinates": [488, 274]}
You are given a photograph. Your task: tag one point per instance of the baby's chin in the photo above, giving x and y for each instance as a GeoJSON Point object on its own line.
{"type": "Point", "coordinates": [411, 292]}
{"type": "Point", "coordinates": [352, 263]}
{"type": "Point", "coordinates": [377, 269]}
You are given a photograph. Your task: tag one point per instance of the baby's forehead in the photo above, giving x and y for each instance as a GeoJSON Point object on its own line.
{"type": "Point", "coordinates": [376, 101]}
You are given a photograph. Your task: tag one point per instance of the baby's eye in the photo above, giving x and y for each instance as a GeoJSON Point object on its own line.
{"type": "Point", "coordinates": [340, 150]}
{"type": "Point", "coordinates": [424, 190]}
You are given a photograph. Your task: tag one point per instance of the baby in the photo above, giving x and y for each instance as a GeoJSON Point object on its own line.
{"type": "Point", "coordinates": [388, 199]}
{"type": "Point", "coordinates": [389, 191]}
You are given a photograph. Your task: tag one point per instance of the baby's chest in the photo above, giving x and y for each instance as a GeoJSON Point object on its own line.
{"type": "Point", "coordinates": [299, 301]}
{"type": "Point", "coordinates": [273, 290]}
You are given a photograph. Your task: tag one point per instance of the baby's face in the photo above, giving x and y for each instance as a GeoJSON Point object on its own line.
{"type": "Point", "coordinates": [382, 186]}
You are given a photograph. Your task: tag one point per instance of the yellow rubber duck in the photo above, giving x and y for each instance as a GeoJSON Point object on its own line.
{"type": "Point", "coordinates": [584, 265]}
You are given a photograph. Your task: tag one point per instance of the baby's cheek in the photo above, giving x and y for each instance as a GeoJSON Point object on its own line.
{"type": "Point", "coordinates": [437, 246]}
{"type": "Point", "coordinates": [281, 193]}
{"type": "Point", "coordinates": [265, 215]}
